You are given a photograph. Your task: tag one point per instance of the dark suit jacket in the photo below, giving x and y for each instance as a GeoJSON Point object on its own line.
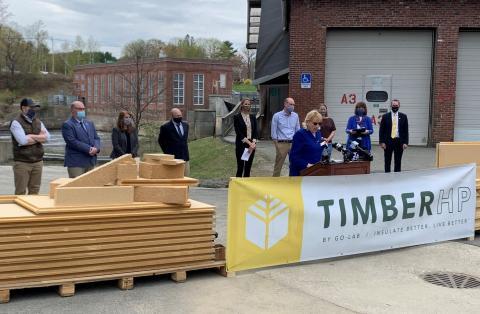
{"type": "Point", "coordinates": [172, 143]}
{"type": "Point", "coordinates": [241, 128]}
{"type": "Point", "coordinates": [119, 143]}
{"type": "Point", "coordinates": [386, 128]}
{"type": "Point", "coordinates": [78, 143]}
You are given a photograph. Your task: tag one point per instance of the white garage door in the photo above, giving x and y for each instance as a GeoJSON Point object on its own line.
{"type": "Point", "coordinates": [392, 64]}
{"type": "Point", "coordinates": [467, 111]}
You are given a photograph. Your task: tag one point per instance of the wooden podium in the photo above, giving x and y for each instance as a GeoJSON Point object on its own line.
{"type": "Point", "coordinates": [335, 169]}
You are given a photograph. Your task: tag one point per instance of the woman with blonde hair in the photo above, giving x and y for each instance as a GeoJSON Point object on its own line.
{"type": "Point", "coordinates": [307, 144]}
{"type": "Point", "coordinates": [124, 136]}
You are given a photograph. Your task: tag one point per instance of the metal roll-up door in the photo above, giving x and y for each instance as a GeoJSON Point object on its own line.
{"type": "Point", "coordinates": [467, 109]}
{"type": "Point", "coordinates": [383, 65]}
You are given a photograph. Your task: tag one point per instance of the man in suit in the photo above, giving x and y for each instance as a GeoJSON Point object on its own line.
{"type": "Point", "coordinates": [173, 138]}
{"type": "Point", "coordinates": [394, 136]}
{"type": "Point", "coordinates": [82, 141]}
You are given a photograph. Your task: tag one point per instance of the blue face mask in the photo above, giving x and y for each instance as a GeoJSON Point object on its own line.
{"type": "Point", "coordinates": [31, 114]}
{"type": "Point", "coordinates": [290, 109]}
{"type": "Point", "coordinates": [81, 115]}
{"type": "Point", "coordinates": [359, 112]}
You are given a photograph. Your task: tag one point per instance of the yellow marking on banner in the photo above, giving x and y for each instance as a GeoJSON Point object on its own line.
{"type": "Point", "coordinates": [270, 243]}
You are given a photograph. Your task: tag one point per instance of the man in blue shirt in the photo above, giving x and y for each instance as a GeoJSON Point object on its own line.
{"type": "Point", "coordinates": [284, 125]}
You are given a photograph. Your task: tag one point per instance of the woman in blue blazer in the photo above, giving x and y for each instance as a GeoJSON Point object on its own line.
{"type": "Point", "coordinates": [306, 144]}
{"type": "Point", "coordinates": [359, 127]}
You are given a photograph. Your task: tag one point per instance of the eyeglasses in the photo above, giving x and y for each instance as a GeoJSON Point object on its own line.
{"type": "Point", "coordinates": [316, 123]}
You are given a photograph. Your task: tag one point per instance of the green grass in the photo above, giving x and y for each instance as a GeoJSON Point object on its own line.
{"type": "Point", "coordinates": [244, 88]}
{"type": "Point", "coordinates": [211, 158]}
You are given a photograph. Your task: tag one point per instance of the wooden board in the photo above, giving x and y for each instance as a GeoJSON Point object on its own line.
{"type": "Point", "coordinates": [103, 175]}
{"type": "Point", "coordinates": [84, 196]}
{"type": "Point", "coordinates": [55, 183]}
{"type": "Point", "coordinates": [162, 194]}
{"type": "Point", "coordinates": [457, 153]}
{"type": "Point", "coordinates": [143, 181]}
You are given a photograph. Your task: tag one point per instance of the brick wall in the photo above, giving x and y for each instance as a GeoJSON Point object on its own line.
{"type": "Point", "coordinates": [211, 69]}
{"type": "Point", "coordinates": [311, 19]}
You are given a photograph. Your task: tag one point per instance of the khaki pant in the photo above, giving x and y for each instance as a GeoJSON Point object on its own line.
{"type": "Point", "coordinates": [282, 151]}
{"type": "Point", "coordinates": [186, 173]}
{"type": "Point", "coordinates": [27, 175]}
{"type": "Point", "coordinates": [74, 172]}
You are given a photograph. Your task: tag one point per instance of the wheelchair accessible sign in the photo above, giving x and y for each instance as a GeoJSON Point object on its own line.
{"type": "Point", "coordinates": [306, 80]}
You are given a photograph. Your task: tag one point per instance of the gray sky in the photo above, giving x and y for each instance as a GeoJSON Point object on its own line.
{"type": "Point", "coordinates": [115, 22]}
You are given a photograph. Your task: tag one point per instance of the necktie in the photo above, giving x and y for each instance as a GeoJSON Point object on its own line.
{"type": "Point", "coordinates": [83, 126]}
{"type": "Point", "coordinates": [179, 130]}
{"type": "Point", "coordinates": [394, 127]}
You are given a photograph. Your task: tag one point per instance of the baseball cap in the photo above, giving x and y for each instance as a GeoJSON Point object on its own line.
{"type": "Point", "coordinates": [28, 102]}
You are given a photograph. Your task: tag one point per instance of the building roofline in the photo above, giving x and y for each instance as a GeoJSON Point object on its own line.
{"type": "Point", "coordinates": [125, 62]}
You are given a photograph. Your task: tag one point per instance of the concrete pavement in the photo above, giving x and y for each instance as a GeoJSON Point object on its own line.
{"type": "Point", "coordinates": [370, 283]}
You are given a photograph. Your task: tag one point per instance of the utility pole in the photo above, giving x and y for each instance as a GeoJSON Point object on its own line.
{"type": "Point", "coordinates": [53, 58]}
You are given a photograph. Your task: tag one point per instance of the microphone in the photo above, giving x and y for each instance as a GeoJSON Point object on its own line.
{"type": "Point", "coordinates": [354, 145]}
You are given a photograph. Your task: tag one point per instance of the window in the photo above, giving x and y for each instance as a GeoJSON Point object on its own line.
{"type": "Point", "coordinates": [377, 96]}
{"type": "Point", "coordinates": [161, 87]}
{"type": "Point", "coordinates": [151, 84]}
{"type": "Point", "coordinates": [178, 88]}
{"type": "Point", "coordinates": [223, 80]}
{"type": "Point", "coordinates": [102, 88]}
{"type": "Point", "coordinates": [110, 86]}
{"type": "Point", "coordinates": [95, 88]}
{"type": "Point", "coordinates": [89, 88]}
{"type": "Point", "coordinates": [118, 87]}
{"type": "Point", "coordinates": [198, 89]}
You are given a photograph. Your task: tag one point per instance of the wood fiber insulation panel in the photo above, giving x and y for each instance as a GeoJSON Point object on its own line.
{"type": "Point", "coordinates": [160, 171]}
{"type": "Point", "coordinates": [103, 175]}
{"type": "Point", "coordinates": [81, 196]}
{"type": "Point", "coordinates": [127, 172]}
{"type": "Point", "coordinates": [457, 153]}
{"type": "Point", "coordinates": [157, 157]}
{"type": "Point", "coordinates": [55, 183]}
{"type": "Point", "coordinates": [162, 194]}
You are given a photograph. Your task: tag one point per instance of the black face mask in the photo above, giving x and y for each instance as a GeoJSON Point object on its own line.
{"type": "Point", "coordinates": [394, 109]}
{"type": "Point", "coordinates": [31, 113]}
{"type": "Point", "coordinates": [177, 120]}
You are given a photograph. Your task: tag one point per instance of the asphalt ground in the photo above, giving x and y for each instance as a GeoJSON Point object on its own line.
{"type": "Point", "coordinates": [379, 282]}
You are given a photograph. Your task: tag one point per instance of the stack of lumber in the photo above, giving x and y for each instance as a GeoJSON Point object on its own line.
{"type": "Point", "coordinates": [108, 221]}
{"type": "Point", "coordinates": [457, 153]}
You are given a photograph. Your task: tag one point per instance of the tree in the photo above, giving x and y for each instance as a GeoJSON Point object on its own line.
{"type": "Point", "coordinates": [4, 14]}
{"type": "Point", "coordinates": [226, 51]}
{"type": "Point", "coordinates": [92, 46]}
{"type": "Point", "coordinates": [135, 85]}
{"type": "Point", "coordinates": [186, 47]}
{"type": "Point", "coordinates": [14, 51]}
{"type": "Point", "coordinates": [248, 60]}
{"type": "Point", "coordinates": [38, 36]}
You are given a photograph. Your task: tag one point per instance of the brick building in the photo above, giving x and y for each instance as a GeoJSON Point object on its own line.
{"type": "Point", "coordinates": [160, 84]}
{"type": "Point", "coordinates": [424, 52]}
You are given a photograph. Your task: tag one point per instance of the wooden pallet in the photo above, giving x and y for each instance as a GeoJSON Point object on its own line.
{"type": "Point", "coordinates": [125, 281]}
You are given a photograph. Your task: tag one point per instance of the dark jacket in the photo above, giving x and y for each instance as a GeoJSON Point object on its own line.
{"type": "Point", "coordinates": [386, 128]}
{"type": "Point", "coordinates": [78, 143]}
{"type": "Point", "coordinates": [241, 128]}
{"type": "Point", "coordinates": [28, 153]}
{"type": "Point", "coordinates": [119, 143]}
{"type": "Point", "coordinates": [172, 143]}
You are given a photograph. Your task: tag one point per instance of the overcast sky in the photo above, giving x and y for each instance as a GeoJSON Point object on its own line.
{"type": "Point", "coordinates": [115, 22]}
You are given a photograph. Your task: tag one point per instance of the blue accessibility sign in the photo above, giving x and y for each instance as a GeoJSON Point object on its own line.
{"type": "Point", "coordinates": [306, 80]}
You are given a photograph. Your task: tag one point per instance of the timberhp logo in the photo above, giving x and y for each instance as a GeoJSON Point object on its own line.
{"type": "Point", "coordinates": [267, 222]}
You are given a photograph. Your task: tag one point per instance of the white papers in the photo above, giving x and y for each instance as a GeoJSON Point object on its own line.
{"type": "Point", "coordinates": [246, 155]}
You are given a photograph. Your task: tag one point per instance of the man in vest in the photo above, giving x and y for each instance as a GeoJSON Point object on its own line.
{"type": "Point", "coordinates": [28, 136]}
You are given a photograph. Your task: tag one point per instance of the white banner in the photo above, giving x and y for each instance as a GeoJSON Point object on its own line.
{"type": "Point", "coordinates": [356, 214]}
{"type": "Point", "coordinates": [274, 221]}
